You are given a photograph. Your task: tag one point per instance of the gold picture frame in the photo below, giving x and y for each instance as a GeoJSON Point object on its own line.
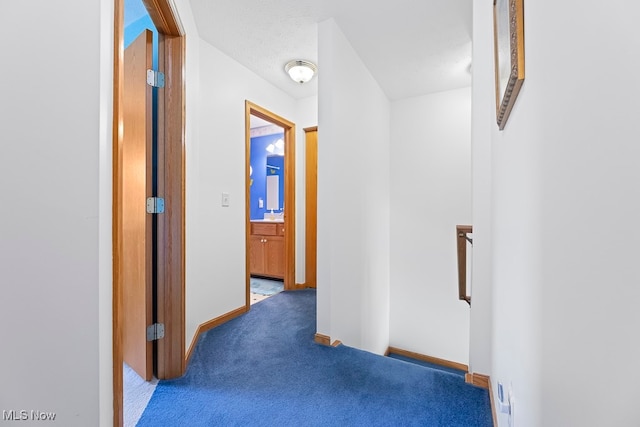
{"type": "Point", "coordinates": [508, 31]}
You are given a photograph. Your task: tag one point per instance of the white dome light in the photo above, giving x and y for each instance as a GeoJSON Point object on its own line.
{"type": "Point", "coordinates": [300, 71]}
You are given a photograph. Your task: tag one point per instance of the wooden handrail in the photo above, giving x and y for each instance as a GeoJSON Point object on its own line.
{"type": "Point", "coordinates": [461, 240]}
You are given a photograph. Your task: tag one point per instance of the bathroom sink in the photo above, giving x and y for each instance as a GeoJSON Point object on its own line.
{"type": "Point", "coordinates": [276, 219]}
{"type": "Point", "coordinates": [268, 216]}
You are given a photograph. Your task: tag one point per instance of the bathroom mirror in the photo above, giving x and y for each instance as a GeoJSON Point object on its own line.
{"type": "Point", "coordinates": [275, 182]}
{"type": "Point", "coordinates": [273, 193]}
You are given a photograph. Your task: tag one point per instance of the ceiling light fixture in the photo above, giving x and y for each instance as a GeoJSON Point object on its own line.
{"type": "Point", "coordinates": [300, 71]}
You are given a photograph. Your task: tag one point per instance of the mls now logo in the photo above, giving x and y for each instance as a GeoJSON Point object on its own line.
{"type": "Point", "coordinates": [15, 415]}
{"type": "Point", "coordinates": [24, 415]}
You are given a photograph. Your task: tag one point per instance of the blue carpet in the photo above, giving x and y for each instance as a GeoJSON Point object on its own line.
{"type": "Point", "coordinates": [264, 369]}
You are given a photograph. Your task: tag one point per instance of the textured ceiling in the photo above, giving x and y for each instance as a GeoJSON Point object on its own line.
{"type": "Point", "coordinates": [411, 47]}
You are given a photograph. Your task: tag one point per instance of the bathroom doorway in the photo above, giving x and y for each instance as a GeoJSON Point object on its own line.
{"type": "Point", "coordinates": [270, 201]}
{"type": "Point", "coordinates": [266, 209]}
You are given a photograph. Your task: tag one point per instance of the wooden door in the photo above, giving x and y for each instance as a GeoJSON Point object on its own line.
{"type": "Point", "coordinates": [135, 182]}
{"type": "Point", "coordinates": [311, 205]}
{"type": "Point", "coordinates": [256, 255]}
{"type": "Point", "coordinates": [274, 256]}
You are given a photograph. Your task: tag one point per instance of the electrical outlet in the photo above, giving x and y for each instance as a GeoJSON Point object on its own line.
{"type": "Point", "coordinates": [225, 199]}
{"type": "Point", "coordinates": [506, 403]}
{"type": "Point", "coordinates": [503, 403]}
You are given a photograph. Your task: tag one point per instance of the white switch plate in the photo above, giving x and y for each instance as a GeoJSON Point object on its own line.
{"type": "Point", "coordinates": [225, 199]}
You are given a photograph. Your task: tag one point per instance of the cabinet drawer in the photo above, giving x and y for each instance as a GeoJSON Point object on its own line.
{"type": "Point", "coordinates": [264, 229]}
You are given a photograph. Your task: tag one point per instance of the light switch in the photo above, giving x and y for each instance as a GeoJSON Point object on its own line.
{"type": "Point", "coordinates": [225, 199]}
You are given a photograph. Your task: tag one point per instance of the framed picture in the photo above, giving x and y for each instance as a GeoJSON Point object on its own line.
{"type": "Point", "coordinates": [508, 33]}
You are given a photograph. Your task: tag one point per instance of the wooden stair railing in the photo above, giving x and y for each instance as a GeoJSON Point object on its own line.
{"type": "Point", "coordinates": [462, 238]}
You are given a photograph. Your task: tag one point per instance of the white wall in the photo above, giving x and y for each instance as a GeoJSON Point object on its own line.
{"type": "Point", "coordinates": [430, 195]}
{"type": "Point", "coordinates": [483, 122]}
{"type": "Point", "coordinates": [565, 198]}
{"type": "Point", "coordinates": [215, 282]}
{"type": "Point", "coordinates": [353, 197]}
{"type": "Point", "coordinates": [105, 192]}
{"type": "Point", "coordinates": [55, 170]}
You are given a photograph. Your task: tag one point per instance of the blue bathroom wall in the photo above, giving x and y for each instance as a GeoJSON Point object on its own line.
{"type": "Point", "coordinates": [136, 20]}
{"type": "Point", "coordinates": [258, 160]}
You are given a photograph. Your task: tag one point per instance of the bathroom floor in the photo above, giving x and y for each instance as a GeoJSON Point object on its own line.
{"type": "Point", "coordinates": [257, 298]}
{"type": "Point", "coordinates": [262, 289]}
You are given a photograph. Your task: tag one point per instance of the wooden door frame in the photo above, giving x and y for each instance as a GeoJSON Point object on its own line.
{"type": "Point", "coordinates": [171, 185]}
{"type": "Point", "coordinates": [311, 205]}
{"type": "Point", "coordinates": [252, 109]}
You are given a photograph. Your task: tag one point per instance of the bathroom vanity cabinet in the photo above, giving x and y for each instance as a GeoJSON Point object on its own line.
{"type": "Point", "coordinates": [266, 257]}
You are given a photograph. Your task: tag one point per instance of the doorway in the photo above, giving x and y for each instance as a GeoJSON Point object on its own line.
{"type": "Point", "coordinates": [270, 217]}
{"type": "Point", "coordinates": [266, 207]}
{"type": "Point", "coordinates": [167, 260]}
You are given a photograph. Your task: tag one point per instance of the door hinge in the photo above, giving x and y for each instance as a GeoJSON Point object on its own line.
{"type": "Point", "coordinates": [155, 332]}
{"type": "Point", "coordinates": [155, 205]}
{"type": "Point", "coordinates": [155, 78]}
